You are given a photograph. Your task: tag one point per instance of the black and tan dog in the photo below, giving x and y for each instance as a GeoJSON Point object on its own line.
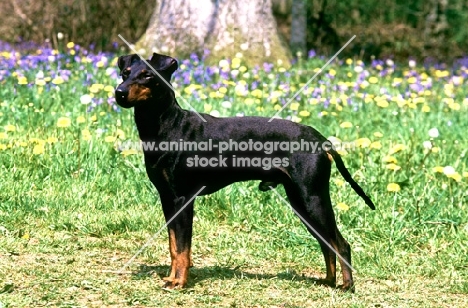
{"type": "Point", "coordinates": [179, 174]}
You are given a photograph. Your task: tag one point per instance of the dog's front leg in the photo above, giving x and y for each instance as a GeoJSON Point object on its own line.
{"type": "Point", "coordinates": [180, 238]}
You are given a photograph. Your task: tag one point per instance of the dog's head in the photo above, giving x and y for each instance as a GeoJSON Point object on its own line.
{"type": "Point", "coordinates": [143, 82]}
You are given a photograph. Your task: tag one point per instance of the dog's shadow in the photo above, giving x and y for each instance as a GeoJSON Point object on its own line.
{"type": "Point", "coordinates": [198, 274]}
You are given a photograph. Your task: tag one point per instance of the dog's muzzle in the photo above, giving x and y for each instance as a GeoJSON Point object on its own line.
{"type": "Point", "coordinates": [121, 97]}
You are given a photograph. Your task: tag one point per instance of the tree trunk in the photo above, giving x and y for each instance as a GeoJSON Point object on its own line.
{"type": "Point", "coordinates": [224, 27]}
{"type": "Point", "coordinates": [436, 25]}
{"type": "Point", "coordinates": [298, 40]}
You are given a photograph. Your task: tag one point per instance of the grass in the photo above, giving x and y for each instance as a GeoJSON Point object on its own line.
{"type": "Point", "coordinates": [74, 209]}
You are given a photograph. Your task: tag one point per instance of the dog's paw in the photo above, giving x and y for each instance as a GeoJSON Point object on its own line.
{"type": "Point", "coordinates": [347, 287]}
{"type": "Point", "coordinates": [173, 283]}
{"type": "Point", "coordinates": [326, 282]}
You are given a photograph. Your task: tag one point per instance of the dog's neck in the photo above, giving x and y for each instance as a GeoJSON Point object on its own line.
{"type": "Point", "coordinates": [152, 118]}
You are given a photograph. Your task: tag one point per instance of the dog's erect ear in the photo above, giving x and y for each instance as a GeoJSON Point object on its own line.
{"type": "Point", "coordinates": [126, 61]}
{"type": "Point", "coordinates": [164, 63]}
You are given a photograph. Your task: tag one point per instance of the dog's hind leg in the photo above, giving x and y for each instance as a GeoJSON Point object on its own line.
{"type": "Point", "coordinates": [313, 205]}
{"type": "Point", "coordinates": [180, 238]}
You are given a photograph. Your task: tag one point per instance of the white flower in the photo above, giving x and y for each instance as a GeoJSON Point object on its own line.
{"type": "Point", "coordinates": [449, 170]}
{"type": "Point", "coordinates": [427, 145]}
{"type": "Point", "coordinates": [434, 132]}
{"type": "Point", "coordinates": [223, 63]}
{"type": "Point", "coordinates": [40, 75]}
{"type": "Point", "coordinates": [412, 63]}
{"type": "Point", "coordinates": [226, 104]}
{"type": "Point", "coordinates": [85, 99]}
{"type": "Point", "coordinates": [110, 71]}
{"type": "Point", "coordinates": [358, 69]}
{"type": "Point", "coordinates": [60, 36]}
{"type": "Point", "coordinates": [390, 62]}
{"type": "Point", "coordinates": [215, 113]}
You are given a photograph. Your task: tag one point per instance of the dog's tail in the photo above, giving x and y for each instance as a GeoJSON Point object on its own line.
{"type": "Point", "coordinates": [347, 176]}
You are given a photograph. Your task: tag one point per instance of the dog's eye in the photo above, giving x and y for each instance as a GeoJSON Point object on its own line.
{"type": "Point", "coordinates": [125, 74]}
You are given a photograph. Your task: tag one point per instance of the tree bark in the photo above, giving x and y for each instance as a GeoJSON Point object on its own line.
{"type": "Point", "coordinates": [436, 25]}
{"type": "Point", "coordinates": [224, 27]}
{"type": "Point", "coordinates": [298, 40]}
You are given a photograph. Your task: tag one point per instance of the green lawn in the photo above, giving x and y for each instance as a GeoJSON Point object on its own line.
{"type": "Point", "coordinates": [74, 209]}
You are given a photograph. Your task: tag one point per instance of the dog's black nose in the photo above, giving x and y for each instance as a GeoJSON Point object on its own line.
{"type": "Point", "coordinates": [121, 94]}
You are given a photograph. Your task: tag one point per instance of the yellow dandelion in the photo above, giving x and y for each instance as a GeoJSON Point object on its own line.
{"type": "Point", "coordinates": [10, 128]}
{"type": "Point", "coordinates": [85, 134]}
{"type": "Point", "coordinates": [223, 90]}
{"type": "Point", "coordinates": [249, 101]}
{"type": "Point", "coordinates": [129, 152]}
{"type": "Point", "coordinates": [342, 206]}
{"type": "Point", "coordinates": [70, 45]}
{"type": "Point", "coordinates": [465, 174]}
{"type": "Point", "coordinates": [110, 139]}
{"type": "Point", "coordinates": [324, 113]}
{"type": "Point", "coordinates": [36, 140]}
{"type": "Point", "coordinates": [425, 108]}
{"type": "Point", "coordinates": [376, 145]}
{"type": "Point", "coordinates": [363, 142]}
{"type": "Point", "coordinates": [120, 134]}
{"type": "Point", "coordinates": [373, 80]}
{"type": "Point", "coordinates": [80, 119]}
{"type": "Point", "coordinates": [389, 159]}
{"type": "Point", "coordinates": [455, 106]}
{"type": "Point", "coordinates": [294, 106]}
{"type": "Point", "coordinates": [22, 80]}
{"type": "Point", "coordinates": [109, 88]}
{"type": "Point", "coordinates": [412, 80]}
{"type": "Point", "coordinates": [207, 107]}
{"type": "Point", "coordinates": [304, 113]}
{"type": "Point", "coordinates": [456, 176]}
{"type": "Point", "coordinates": [3, 135]}
{"type": "Point", "coordinates": [3, 147]}
{"type": "Point", "coordinates": [40, 82]}
{"type": "Point", "coordinates": [93, 118]}
{"type": "Point", "coordinates": [339, 182]}
{"type": "Point", "coordinates": [58, 80]}
{"type": "Point", "coordinates": [435, 149]}
{"type": "Point", "coordinates": [38, 149]}
{"type": "Point", "coordinates": [315, 101]}
{"type": "Point", "coordinates": [63, 122]}
{"type": "Point", "coordinates": [438, 169]}
{"type": "Point", "coordinates": [397, 148]}
{"type": "Point", "coordinates": [393, 187]}
{"type": "Point", "coordinates": [346, 125]}
{"type": "Point", "coordinates": [378, 134]}
{"type": "Point", "coordinates": [393, 167]}
{"type": "Point", "coordinates": [51, 140]}
{"type": "Point", "coordinates": [382, 104]}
